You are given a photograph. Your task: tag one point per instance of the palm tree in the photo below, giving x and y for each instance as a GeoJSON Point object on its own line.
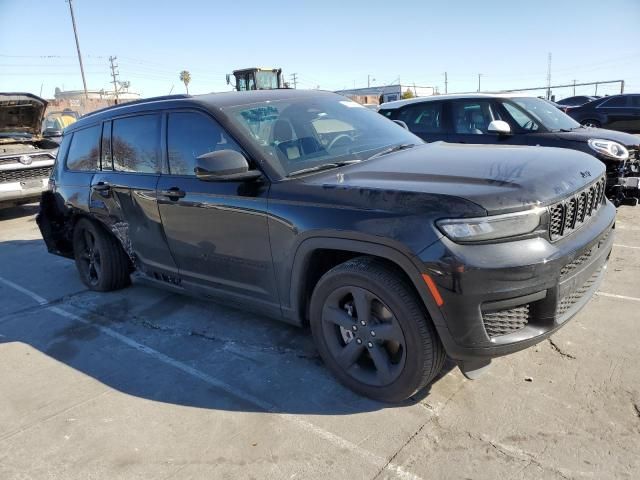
{"type": "Point", "coordinates": [185, 77]}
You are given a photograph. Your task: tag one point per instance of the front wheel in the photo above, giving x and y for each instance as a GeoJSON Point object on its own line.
{"type": "Point", "coordinates": [372, 331]}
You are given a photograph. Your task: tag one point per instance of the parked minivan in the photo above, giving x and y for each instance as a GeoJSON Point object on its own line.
{"type": "Point", "coordinates": [312, 209]}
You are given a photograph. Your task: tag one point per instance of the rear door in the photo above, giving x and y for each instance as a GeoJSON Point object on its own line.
{"type": "Point", "coordinates": [217, 231]}
{"type": "Point", "coordinates": [123, 194]}
{"type": "Point", "coordinates": [619, 113]}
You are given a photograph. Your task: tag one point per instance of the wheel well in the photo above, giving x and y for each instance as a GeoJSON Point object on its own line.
{"type": "Point", "coordinates": [72, 222]}
{"type": "Point", "coordinates": [322, 260]}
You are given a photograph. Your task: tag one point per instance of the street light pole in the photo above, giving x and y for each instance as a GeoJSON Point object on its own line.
{"type": "Point", "coordinates": [75, 33]}
{"type": "Point", "coordinates": [479, 75]}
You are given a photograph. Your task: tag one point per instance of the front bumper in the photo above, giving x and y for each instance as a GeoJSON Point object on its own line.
{"type": "Point", "coordinates": [505, 297]}
{"type": "Point", "coordinates": [22, 191]}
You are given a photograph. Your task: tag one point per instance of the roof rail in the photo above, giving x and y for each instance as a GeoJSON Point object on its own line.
{"type": "Point", "coordinates": [138, 102]}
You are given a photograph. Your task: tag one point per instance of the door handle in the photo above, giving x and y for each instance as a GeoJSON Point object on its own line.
{"type": "Point", "coordinates": [173, 193]}
{"type": "Point", "coordinates": [101, 186]}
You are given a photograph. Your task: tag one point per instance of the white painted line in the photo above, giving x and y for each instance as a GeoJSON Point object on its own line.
{"type": "Point", "coordinates": [622, 297]}
{"type": "Point", "coordinates": [624, 227]}
{"type": "Point", "coordinates": [29, 293]}
{"type": "Point", "coordinates": [336, 440]}
{"type": "Point", "coordinates": [625, 246]}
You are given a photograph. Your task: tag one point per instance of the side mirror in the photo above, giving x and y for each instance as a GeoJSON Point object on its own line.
{"type": "Point", "coordinates": [402, 124]}
{"type": "Point", "coordinates": [224, 166]}
{"type": "Point", "coordinates": [51, 132]}
{"type": "Point", "coordinates": [500, 127]}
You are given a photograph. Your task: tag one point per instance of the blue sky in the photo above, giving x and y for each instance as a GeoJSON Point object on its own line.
{"type": "Point", "coordinates": [331, 44]}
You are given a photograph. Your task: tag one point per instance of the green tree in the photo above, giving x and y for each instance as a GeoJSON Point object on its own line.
{"type": "Point", "coordinates": [185, 77]}
{"type": "Point", "coordinates": [407, 94]}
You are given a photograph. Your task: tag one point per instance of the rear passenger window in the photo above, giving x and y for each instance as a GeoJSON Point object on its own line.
{"type": "Point", "coordinates": [135, 143]}
{"type": "Point", "coordinates": [84, 151]}
{"type": "Point", "coordinates": [615, 102]}
{"type": "Point", "coordinates": [191, 134]}
{"type": "Point", "coordinates": [423, 117]}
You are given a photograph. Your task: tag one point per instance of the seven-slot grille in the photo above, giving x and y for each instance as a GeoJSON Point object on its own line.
{"type": "Point", "coordinates": [24, 174]}
{"type": "Point", "coordinates": [573, 212]}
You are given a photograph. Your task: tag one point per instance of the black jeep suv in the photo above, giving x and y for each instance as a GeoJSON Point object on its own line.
{"type": "Point", "coordinates": [305, 206]}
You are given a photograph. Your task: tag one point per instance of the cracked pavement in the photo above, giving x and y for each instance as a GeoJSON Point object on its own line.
{"type": "Point", "coordinates": [142, 383]}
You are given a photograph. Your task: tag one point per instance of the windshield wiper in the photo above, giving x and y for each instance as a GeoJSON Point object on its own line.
{"type": "Point", "coordinates": [324, 166]}
{"type": "Point", "coordinates": [395, 148]}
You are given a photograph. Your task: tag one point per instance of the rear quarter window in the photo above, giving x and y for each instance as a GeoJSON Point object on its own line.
{"type": "Point", "coordinates": [84, 150]}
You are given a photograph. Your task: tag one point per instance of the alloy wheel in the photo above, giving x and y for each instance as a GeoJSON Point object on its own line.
{"type": "Point", "coordinates": [363, 336]}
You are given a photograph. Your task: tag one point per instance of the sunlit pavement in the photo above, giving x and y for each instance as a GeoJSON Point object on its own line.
{"type": "Point", "coordinates": [145, 384]}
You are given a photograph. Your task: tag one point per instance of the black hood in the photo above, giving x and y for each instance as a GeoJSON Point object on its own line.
{"type": "Point", "coordinates": [584, 134]}
{"type": "Point", "coordinates": [21, 113]}
{"type": "Point", "coordinates": [500, 179]}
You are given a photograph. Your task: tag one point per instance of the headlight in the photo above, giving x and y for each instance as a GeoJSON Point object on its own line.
{"type": "Point", "coordinates": [609, 149]}
{"type": "Point", "coordinates": [492, 227]}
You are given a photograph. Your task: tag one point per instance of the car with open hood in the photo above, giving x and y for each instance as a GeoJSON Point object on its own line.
{"type": "Point", "coordinates": [518, 120]}
{"type": "Point", "coordinates": [26, 158]}
{"type": "Point", "coordinates": [310, 208]}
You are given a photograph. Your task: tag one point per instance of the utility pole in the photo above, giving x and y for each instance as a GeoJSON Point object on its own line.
{"type": "Point", "coordinates": [549, 77]}
{"type": "Point", "coordinates": [445, 83]}
{"type": "Point", "coordinates": [294, 79]}
{"type": "Point", "coordinates": [75, 33]}
{"type": "Point", "coordinates": [479, 75]}
{"type": "Point", "coordinates": [574, 87]}
{"type": "Point", "coordinates": [114, 75]}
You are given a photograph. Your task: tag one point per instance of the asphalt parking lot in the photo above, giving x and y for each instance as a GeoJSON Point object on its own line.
{"type": "Point", "coordinates": [142, 383]}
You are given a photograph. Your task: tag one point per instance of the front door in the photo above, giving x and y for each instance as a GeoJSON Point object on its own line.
{"type": "Point", "coordinates": [470, 119]}
{"type": "Point", "coordinates": [217, 231]}
{"type": "Point", "coordinates": [123, 193]}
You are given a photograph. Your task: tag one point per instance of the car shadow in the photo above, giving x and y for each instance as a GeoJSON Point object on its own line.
{"type": "Point", "coordinates": [166, 347]}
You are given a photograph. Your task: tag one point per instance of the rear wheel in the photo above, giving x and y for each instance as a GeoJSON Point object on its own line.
{"type": "Point", "coordinates": [591, 123]}
{"type": "Point", "coordinates": [372, 331]}
{"type": "Point", "coordinates": [101, 261]}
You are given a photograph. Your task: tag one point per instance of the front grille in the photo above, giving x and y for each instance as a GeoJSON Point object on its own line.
{"type": "Point", "coordinates": [584, 258]}
{"type": "Point", "coordinates": [24, 174]}
{"type": "Point", "coordinates": [35, 157]}
{"type": "Point", "coordinates": [503, 322]}
{"type": "Point", "coordinates": [573, 212]}
{"type": "Point", "coordinates": [572, 298]}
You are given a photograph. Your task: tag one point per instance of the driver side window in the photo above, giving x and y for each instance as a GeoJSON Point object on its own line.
{"type": "Point", "coordinates": [191, 134]}
{"type": "Point", "coordinates": [524, 121]}
{"type": "Point", "coordinates": [472, 117]}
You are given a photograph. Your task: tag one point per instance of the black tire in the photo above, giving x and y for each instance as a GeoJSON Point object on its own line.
{"type": "Point", "coordinates": [414, 353]}
{"type": "Point", "coordinates": [591, 123]}
{"type": "Point", "coordinates": [101, 262]}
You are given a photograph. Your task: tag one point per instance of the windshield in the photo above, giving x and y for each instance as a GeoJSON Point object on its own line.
{"type": "Point", "coordinates": [266, 80]}
{"type": "Point", "coordinates": [530, 112]}
{"type": "Point", "coordinates": [312, 132]}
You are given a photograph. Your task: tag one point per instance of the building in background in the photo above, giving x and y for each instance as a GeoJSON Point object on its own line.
{"type": "Point", "coordinates": [385, 93]}
{"type": "Point", "coordinates": [76, 101]}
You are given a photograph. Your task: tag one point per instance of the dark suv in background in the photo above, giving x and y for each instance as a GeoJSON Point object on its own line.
{"type": "Point", "coordinates": [310, 208]}
{"type": "Point", "coordinates": [513, 120]}
{"type": "Point", "coordinates": [617, 112]}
